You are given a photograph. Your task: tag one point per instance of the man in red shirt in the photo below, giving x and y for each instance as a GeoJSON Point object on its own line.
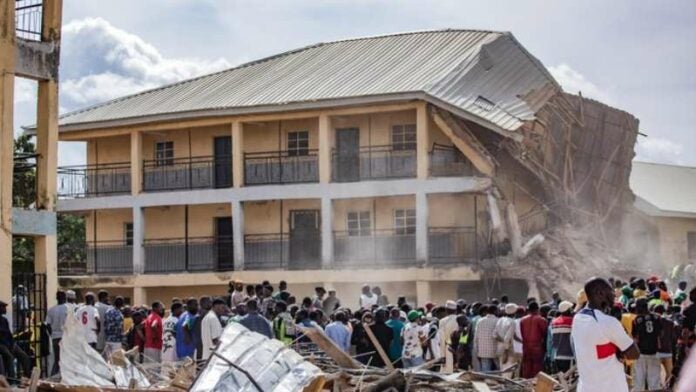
{"type": "Point", "coordinates": [153, 333]}
{"type": "Point", "coordinates": [533, 331]}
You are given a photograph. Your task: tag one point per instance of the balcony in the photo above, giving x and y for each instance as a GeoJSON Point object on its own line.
{"type": "Point", "coordinates": [282, 251]}
{"type": "Point", "coordinates": [189, 255]}
{"type": "Point", "coordinates": [378, 248]}
{"type": "Point", "coordinates": [448, 161]}
{"type": "Point", "coordinates": [278, 167]}
{"type": "Point", "coordinates": [452, 245]}
{"type": "Point", "coordinates": [101, 257]}
{"type": "Point", "coordinates": [94, 180]}
{"type": "Point", "coordinates": [169, 174]}
{"type": "Point", "coordinates": [373, 163]}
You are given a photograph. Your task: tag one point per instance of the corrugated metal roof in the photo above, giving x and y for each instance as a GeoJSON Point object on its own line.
{"type": "Point", "coordinates": [664, 190]}
{"type": "Point", "coordinates": [455, 67]}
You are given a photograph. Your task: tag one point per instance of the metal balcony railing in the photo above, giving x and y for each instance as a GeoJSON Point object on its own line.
{"type": "Point", "coordinates": [29, 19]}
{"type": "Point", "coordinates": [282, 251]}
{"type": "Point", "coordinates": [376, 248]}
{"type": "Point", "coordinates": [373, 163]}
{"type": "Point", "coordinates": [94, 180]}
{"type": "Point", "coordinates": [187, 173]}
{"type": "Point", "coordinates": [195, 254]}
{"type": "Point", "coordinates": [452, 245]}
{"type": "Point", "coordinates": [448, 161]}
{"type": "Point", "coordinates": [101, 257]}
{"type": "Point", "coordinates": [279, 167]}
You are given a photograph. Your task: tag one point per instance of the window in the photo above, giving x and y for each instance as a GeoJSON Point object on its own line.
{"type": "Point", "coordinates": [691, 245]}
{"type": "Point", "coordinates": [164, 153]}
{"type": "Point", "coordinates": [405, 221]}
{"type": "Point", "coordinates": [298, 143]}
{"type": "Point", "coordinates": [128, 233]}
{"type": "Point", "coordinates": [404, 137]}
{"type": "Point", "coordinates": [359, 223]}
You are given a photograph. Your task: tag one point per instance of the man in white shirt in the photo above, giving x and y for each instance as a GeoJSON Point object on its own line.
{"type": "Point", "coordinates": [599, 340]}
{"type": "Point", "coordinates": [88, 316]}
{"type": "Point", "coordinates": [211, 328]}
{"type": "Point", "coordinates": [447, 326]}
{"type": "Point", "coordinates": [55, 319]}
{"type": "Point", "coordinates": [169, 334]}
{"type": "Point", "coordinates": [505, 333]}
{"type": "Point", "coordinates": [102, 307]}
{"type": "Point", "coordinates": [367, 299]}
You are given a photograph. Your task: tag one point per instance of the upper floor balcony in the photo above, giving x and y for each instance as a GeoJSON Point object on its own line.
{"type": "Point", "coordinates": [94, 180]}
{"type": "Point", "coordinates": [169, 174]}
{"type": "Point", "coordinates": [29, 19]}
{"type": "Point", "coordinates": [373, 163]}
{"type": "Point", "coordinates": [281, 167]}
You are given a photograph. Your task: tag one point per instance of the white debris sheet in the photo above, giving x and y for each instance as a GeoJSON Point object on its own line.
{"type": "Point", "coordinates": [272, 365]}
{"type": "Point", "coordinates": [81, 365]}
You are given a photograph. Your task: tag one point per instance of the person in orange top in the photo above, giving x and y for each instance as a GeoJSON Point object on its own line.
{"type": "Point", "coordinates": [664, 293]}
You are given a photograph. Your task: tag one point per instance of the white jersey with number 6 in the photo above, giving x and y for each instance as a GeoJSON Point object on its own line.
{"type": "Point", "coordinates": [87, 316]}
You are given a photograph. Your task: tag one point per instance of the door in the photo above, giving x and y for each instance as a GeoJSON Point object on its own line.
{"type": "Point", "coordinates": [223, 239]}
{"type": "Point", "coordinates": [305, 239]}
{"type": "Point", "coordinates": [347, 155]}
{"type": "Point", "coordinates": [223, 161]}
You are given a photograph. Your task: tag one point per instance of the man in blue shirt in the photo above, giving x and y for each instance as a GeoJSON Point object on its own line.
{"type": "Point", "coordinates": [396, 325]}
{"type": "Point", "coordinates": [113, 326]}
{"type": "Point", "coordinates": [185, 342]}
{"type": "Point", "coordinates": [338, 331]}
{"type": "Point", "coordinates": [255, 322]}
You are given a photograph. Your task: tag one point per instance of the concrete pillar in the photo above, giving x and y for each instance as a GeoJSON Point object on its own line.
{"type": "Point", "coordinates": [423, 292]}
{"type": "Point", "coordinates": [7, 62]}
{"type": "Point", "coordinates": [238, 234]}
{"type": "Point", "coordinates": [422, 227]}
{"type": "Point", "coordinates": [138, 240]}
{"type": "Point", "coordinates": [237, 154]}
{"type": "Point", "coordinates": [46, 257]}
{"type": "Point", "coordinates": [422, 140]}
{"type": "Point", "coordinates": [136, 162]}
{"type": "Point", "coordinates": [327, 255]}
{"type": "Point", "coordinates": [324, 148]}
{"type": "Point", "coordinates": [139, 296]}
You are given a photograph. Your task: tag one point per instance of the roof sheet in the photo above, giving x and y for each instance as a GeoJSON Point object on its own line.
{"type": "Point", "coordinates": [461, 68]}
{"type": "Point", "coordinates": [669, 189]}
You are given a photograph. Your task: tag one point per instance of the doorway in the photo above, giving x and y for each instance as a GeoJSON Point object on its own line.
{"type": "Point", "coordinates": [347, 155]}
{"type": "Point", "coordinates": [305, 239]}
{"type": "Point", "coordinates": [222, 161]}
{"type": "Point", "coordinates": [223, 239]}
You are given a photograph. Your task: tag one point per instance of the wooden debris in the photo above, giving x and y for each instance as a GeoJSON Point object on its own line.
{"type": "Point", "coordinates": [34, 379]}
{"type": "Point", "coordinates": [318, 337]}
{"type": "Point", "coordinates": [378, 347]}
{"type": "Point", "coordinates": [544, 383]}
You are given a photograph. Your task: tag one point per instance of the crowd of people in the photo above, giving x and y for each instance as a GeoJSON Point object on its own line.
{"type": "Point", "coordinates": [612, 328]}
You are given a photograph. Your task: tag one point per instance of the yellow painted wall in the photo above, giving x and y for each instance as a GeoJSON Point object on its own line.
{"type": "Point", "coordinates": [110, 224]}
{"type": "Point", "coordinates": [168, 222]}
{"type": "Point", "coordinates": [264, 217]}
{"type": "Point", "coordinates": [452, 210]}
{"type": "Point", "coordinates": [108, 150]}
{"type": "Point", "coordinates": [435, 135]}
{"type": "Point", "coordinates": [673, 240]}
{"type": "Point", "coordinates": [385, 206]}
{"type": "Point", "coordinates": [263, 137]}
{"type": "Point", "coordinates": [375, 129]}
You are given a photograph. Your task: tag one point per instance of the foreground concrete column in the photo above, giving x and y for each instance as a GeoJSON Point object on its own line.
{"type": "Point", "coordinates": [237, 154]}
{"type": "Point", "coordinates": [326, 233]}
{"type": "Point", "coordinates": [423, 292]}
{"type": "Point", "coordinates": [138, 240]}
{"type": "Point", "coordinates": [324, 148]}
{"type": "Point", "coordinates": [45, 247]}
{"type": "Point", "coordinates": [238, 234]}
{"type": "Point", "coordinates": [422, 140]}
{"type": "Point", "coordinates": [139, 296]}
{"type": "Point", "coordinates": [422, 227]}
{"type": "Point", "coordinates": [7, 62]}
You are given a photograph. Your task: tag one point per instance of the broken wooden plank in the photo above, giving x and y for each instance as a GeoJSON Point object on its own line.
{"type": "Point", "coordinates": [465, 141]}
{"type": "Point", "coordinates": [34, 380]}
{"type": "Point", "coordinates": [480, 386]}
{"type": "Point", "coordinates": [378, 347]}
{"type": "Point", "coordinates": [544, 383]}
{"type": "Point", "coordinates": [342, 358]}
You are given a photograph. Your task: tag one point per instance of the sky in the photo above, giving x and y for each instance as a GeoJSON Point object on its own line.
{"type": "Point", "coordinates": [638, 56]}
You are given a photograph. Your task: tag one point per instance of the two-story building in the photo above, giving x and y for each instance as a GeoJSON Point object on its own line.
{"type": "Point", "coordinates": [371, 160]}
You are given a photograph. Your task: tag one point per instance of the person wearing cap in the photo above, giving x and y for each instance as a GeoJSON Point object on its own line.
{"type": "Point", "coordinates": [561, 346]}
{"type": "Point", "coordinates": [413, 337]}
{"type": "Point", "coordinates": [504, 334]}
{"type": "Point", "coordinates": [448, 325]}
{"type": "Point", "coordinates": [460, 344]}
{"type": "Point", "coordinates": [9, 350]}
{"type": "Point", "coordinates": [367, 299]}
{"type": "Point", "coordinates": [70, 297]}
{"type": "Point", "coordinates": [88, 316]}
